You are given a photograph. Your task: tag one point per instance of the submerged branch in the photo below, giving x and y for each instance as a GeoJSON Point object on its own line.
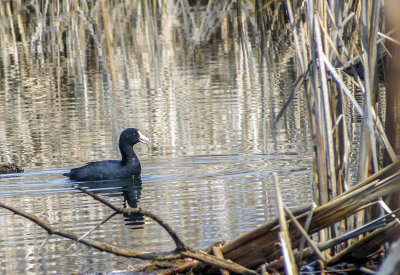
{"type": "Point", "coordinates": [181, 250]}
{"type": "Point", "coordinates": [51, 230]}
{"type": "Point", "coordinates": [178, 242]}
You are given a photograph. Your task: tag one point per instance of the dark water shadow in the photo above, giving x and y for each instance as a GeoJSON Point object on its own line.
{"type": "Point", "coordinates": [130, 189]}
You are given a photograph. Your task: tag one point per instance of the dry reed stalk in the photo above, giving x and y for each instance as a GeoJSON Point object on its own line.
{"type": "Point", "coordinates": [241, 250]}
{"type": "Point", "coordinates": [329, 28]}
{"type": "Point", "coordinates": [368, 154]}
{"type": "Point", "coordinates": [217, 253]}
{"type": "Point", "coordinates": [331, 137]}
{"type": "Point", "coordinates": [368, 244]}
{"type": "Point", "coordinates": [305, 235]}
{"type": "Point", "coordinates": [324, 114]}
{"type": "Point", "coordinates": [286, 247]}
{"type": "Point", "coordinates": [321, 113]}
{"type": "Point", "coordinates": [321, 176]}
{"type": "Point", "coordinates": [310, 252]}
{"type": "Point", "coordinates": [303, 239]}
{"type": "Point", "coordinates": [392, 86]}
{"type": "Point", "coordinates": [296, 37]}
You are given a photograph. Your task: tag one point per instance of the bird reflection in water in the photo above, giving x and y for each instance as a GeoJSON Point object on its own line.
{"type": "Point", "coordinates": [129, 188]}
{"type": "Point", "coordinates": [131, 193]}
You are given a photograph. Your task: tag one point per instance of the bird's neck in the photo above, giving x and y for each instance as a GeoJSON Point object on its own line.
{"type": "Point", "coordinates": [128, 155]}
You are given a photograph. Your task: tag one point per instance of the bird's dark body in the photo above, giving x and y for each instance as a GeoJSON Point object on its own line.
{"type": "Point", "coordinates": [127, 167]}
{"type": "Point", "coordinates": [9, 168]}
{"type": "Point", "coordinates": [106, 170]}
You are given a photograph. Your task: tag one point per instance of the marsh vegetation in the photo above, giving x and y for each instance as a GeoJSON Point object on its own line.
{"type": "Point", "coordinates": [343, 96]}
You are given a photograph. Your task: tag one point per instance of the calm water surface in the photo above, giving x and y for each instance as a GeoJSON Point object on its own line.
{"type": "Point", "coordinates": [209, 112]}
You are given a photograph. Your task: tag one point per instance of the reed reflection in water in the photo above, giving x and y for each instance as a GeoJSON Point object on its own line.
{"type": "Point", "coordinates": [207, 101]}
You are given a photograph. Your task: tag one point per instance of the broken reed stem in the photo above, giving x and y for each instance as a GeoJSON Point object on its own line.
{"type": "Point", "coordinates": [368, 244]}
{"type": "Point", "coordinates": [303, 240]}
{"type": "Point", "coordinates": [217, 253]}
{"type": "Point", "coordinates": [305, 235]}
{"type": "Point", "coordinates": [388, 210]}
{"type": "Point", "coordinates": [290, 264]}
{"type": "Point", "coordinates": [98, 225]}
{"type": "Point", "coordinates": [45, 240]}
{"type": "Point", "coordinates": [241, 250]}
{"type": "Point", "coordinates": [322, 246]}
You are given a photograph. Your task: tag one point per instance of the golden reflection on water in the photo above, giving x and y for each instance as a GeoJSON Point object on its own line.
{"type": "Point", "coordinates": [208, 109]}
{"type": "Point", "coordinates": [190, 100]}
{"type": "Point", "coordinates": [216, 109]}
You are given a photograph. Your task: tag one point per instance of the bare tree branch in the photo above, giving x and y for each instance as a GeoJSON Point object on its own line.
{"type": "Point", "coordinates": [181, 251]}
{"type": "Point", "coordinates": [178, 242]}
{"type": "Point", "coordinates": [181, 247]}
{"type": "Point", "coordinates": [94, 228]}
{"type": "Point", "coordinates": [91, 243]}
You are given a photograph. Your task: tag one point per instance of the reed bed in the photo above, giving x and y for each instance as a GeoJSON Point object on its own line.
{"type": "Point", "coordinates": [342, 60]}
{"type": "Point", "coordinates": [340, 46]}
{"type": "Point", "coordinates": [67, 29]}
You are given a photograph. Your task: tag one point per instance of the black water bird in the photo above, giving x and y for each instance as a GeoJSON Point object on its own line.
{"type": "Point", "coordinates": [10, 168]}
{"type": "Point", "coordinates": [127, 167]}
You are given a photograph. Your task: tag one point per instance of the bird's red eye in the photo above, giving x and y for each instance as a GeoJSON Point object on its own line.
{"type": "Point", "coordinates": [134, 134]}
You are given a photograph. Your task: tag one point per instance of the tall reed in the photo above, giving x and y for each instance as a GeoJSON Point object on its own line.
{"type": "Point", "coordinates": [329, 37]}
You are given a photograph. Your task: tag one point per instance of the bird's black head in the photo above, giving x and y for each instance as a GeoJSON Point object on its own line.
{"type": "Point", "coordinates": [131, 136]}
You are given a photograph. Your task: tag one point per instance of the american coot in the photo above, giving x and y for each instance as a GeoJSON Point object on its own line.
{"type": "Point", "coordinates": [9, 168]}
{"type": "Point", "coordinates": [127, 167]}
